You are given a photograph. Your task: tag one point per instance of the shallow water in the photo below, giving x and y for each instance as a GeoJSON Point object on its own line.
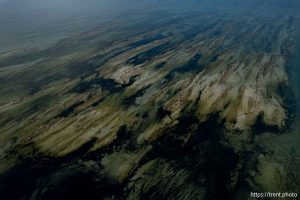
{"type": "Point", "coordinates": [30, 23]}
{"type": "Point", "coordinates": [296, 85]}
{"type": "Point", "coordinates": [296, 78]}
{"type": "Point", "coordinates": [190, 148]}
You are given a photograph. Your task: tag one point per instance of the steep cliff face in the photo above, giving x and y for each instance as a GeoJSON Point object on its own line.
{"type": "Point", "coordinates": [162, 104]}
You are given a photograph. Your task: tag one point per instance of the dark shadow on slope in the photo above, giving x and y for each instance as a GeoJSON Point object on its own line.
{"type": "Point", "coordinates": [204, 156]}
{"type": "Point", "coordinates": [149, 54]}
